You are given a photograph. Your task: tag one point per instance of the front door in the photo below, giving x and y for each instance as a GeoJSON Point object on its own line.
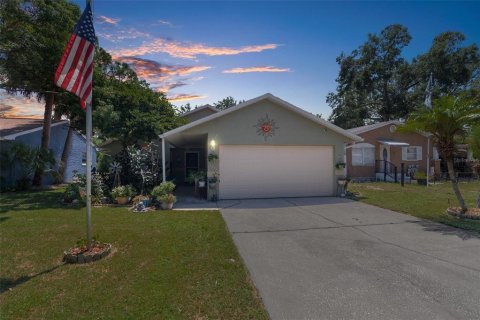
{"type": "Point", "coordinates": [191, 162]}
{"type": "Point", "coordinates": [385, 155]}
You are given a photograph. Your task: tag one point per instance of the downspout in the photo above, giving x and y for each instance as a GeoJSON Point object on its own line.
{"type": "Point", "coordinates": [164, 171]}
{"type": "Point", "coordinates": [428, 159]}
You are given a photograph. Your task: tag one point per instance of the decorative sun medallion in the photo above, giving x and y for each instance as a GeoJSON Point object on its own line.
{"type": "Point", "coordinates": [266, 127]}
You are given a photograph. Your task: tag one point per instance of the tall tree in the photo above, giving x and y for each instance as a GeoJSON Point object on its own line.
{"type": "Point", "coordinates": [454, 68]}
{"type": "Point", "coordinates": [373, 80]}
{"type": "Point", "coordinates": [33, 35]}
{"type": "Point", "coordinates": [126, 108]}
{"type": "Point", "coordinates": [226, 103]}
{"type": "Point", "coordinates": [448, 121]}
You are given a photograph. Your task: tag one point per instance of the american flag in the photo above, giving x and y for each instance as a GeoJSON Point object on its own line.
{"type": "Point", "coordinates": [74, 73]}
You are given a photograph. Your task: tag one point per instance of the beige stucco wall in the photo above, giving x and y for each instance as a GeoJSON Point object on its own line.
{"type": "Point", "coordinates": [383, 133]}
{"type": "Point", "coordinates": [238, 128]}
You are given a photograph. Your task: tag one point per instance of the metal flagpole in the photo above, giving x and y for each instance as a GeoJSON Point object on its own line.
{"type": "Point", "coordinates": [89, 167]}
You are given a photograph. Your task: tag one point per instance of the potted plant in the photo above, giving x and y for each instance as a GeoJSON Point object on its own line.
{"type": "Point", "coordinates": [122, 194]}
{"type": "Point", "coordinates": [340, 165]}
{"type": "Point", "coordinates": [197, 177]}
{"type": "Point", "coordinates": [167, 201]}
{"type": "Point", "coordinates": [421, 178]}
{"type": "Point", "coordinates": [164, 194]}
{"type": "Point", "coordinates": [212, 181]}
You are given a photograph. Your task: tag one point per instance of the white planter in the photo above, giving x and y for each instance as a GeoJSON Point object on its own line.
{"type": "Point", "coordinates": [201, 184]}
{"type": "Point", "coordinates": [167, 206]}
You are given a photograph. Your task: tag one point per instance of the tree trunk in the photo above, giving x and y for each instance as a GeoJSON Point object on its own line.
{"type": "Point", "coordinates": [66, 152]}
{"type": "Point", "coordinates": [453, 179]}
{"type": "Point", "coordinates": [47, 121]}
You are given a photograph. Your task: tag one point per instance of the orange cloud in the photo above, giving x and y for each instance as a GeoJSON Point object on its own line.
{"type": "Point", "coordinates": [187, 50]}
{"type": "Point", "coordinates": [105, 19]}
{"type": "Point", "coordinates": [12, 106]}
{"type": "Point", "coordinates": [156, 73]}
{"type": "Point", "coordinates": [256, 69]}
{"type": "Point", "coordinates": [185, 97]}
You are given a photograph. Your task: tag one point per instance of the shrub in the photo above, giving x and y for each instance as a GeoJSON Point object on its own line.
{"type": "Point", "coordinates": [164, 188]}
{"type": "Point", "coordinates": [167, 198]}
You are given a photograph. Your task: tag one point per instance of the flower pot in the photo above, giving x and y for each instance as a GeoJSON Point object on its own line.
{"type": "Point", "coordinates": [146, 202]}
{"type": "Point", "coordinates": [167, 205]}
{"type": "Point", "coordinates": [212, 185]}
{"type": "Point", "coordinates": [201, 184]}
{"type": "Point", "coordinates": [122, 200]}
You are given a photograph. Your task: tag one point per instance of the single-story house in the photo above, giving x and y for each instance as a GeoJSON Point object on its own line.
{"type": "Point", "coordinates": [29, 132]}
{"type": "Point", "coordinates": [384, 149]}
{"type": "Point", "coordinates": [264, 148]}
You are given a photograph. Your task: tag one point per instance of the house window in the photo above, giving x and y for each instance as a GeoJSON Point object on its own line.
{"type": "Point", "coordinates": [412, 153]}
{"type": "Point", "coordinates": [84, 158]}
{"type": "Point", "coordinates": [363, 156]}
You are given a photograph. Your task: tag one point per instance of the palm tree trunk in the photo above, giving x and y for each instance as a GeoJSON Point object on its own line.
{"type": "Point", "coordinates": [66, 152]}
{"type": "Point", "coordinates": [453, 179]}
{"type": "Point", "coordinates": [47, 122]}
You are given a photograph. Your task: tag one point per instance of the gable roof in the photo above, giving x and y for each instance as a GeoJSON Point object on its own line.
{"type": "Point", "coordinates": [272, 98]}
{"type": "Point", "coordinates": [207, 106]}
{"type": "Point", "coordinates": [11, 128]}
{"type": "Point", "coordinates": [370, 127]}
{"type": "Point", "coordinates": [373, 126]}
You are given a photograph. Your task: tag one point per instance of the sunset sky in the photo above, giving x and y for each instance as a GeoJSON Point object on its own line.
{"type": "Point", "coordinates": [201, 52]}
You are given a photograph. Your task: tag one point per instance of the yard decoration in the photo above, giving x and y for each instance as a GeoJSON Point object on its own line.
{"type": "Point", "coordinates": [115, 168]}
{"type": "Point", "coordinates": [266, 127]}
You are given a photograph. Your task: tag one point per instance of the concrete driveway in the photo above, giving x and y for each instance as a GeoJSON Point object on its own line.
{"type": "Point", "coordinates": [332, 258]}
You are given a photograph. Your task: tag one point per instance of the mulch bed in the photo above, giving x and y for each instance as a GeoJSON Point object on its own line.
{"type": "Point", "coordinates": [472, 213]}
{"type": "Point", "coordinates": [83, 255]}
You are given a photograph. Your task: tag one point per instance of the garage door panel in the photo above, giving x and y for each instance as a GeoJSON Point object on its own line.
{"type": "Point", "coordinates": [248, 171]}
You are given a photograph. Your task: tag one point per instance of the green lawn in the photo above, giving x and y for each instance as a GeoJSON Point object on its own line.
{"type": "Point", "coordinates": [419, 201]}
{"type": "Point", "coordinates": [165, 265]}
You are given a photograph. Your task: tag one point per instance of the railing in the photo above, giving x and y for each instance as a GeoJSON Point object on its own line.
{"type": "Point", "coordinates": [387, 168]}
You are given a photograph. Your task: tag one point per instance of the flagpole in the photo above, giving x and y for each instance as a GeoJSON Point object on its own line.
{"type": "Point", "coordinates": [89, 168]}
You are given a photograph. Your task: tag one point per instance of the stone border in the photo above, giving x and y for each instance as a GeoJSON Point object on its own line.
{"type": "Point", "coordinates": [86, 257]}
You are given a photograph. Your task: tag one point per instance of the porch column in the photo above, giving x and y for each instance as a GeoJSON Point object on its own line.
{"type": "Point", "coordinates": [164, 170]}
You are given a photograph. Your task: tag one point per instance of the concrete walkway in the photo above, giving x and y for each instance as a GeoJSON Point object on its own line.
{"type": "Point", "coordinates": [332, 258]}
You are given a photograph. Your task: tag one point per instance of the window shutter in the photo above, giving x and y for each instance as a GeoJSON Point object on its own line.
{"type": "Point", "coordinates": [419, 153]}
{"type": "Point", "coordinates": [404, 153]}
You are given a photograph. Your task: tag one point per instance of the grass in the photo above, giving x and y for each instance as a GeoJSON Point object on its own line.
{"type": "Point", "coordinates": [419, 201]}
{"type": "Point", "coordinates": [166, 264]}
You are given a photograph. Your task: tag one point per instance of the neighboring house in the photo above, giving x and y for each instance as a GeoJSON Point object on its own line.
{"type": "Point", "coordinates": [29, 132]}
{"type": "Point", "coordinates": [198, 113]}
{"type": "Point", "coordinates": [266, 148]}
{"type": "Point", "coordinates": [383, 147]}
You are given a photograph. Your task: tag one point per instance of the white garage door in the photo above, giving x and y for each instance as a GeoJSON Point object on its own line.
{"type": "Point", "coordinates": [250, 171]}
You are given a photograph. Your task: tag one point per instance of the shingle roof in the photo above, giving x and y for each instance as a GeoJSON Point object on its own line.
{"type": "Point", "coordinates": [373, 126]}
{"type": "Point", "coordinates": [11, 126]}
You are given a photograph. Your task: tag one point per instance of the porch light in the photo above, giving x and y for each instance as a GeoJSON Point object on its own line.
{"type": "Point", "coordinates": [213, 143]}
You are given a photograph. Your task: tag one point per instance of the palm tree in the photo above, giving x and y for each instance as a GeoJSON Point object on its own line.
{"type": "Point", "coordinates": [474, 144]}
{"type": "Point", "coordinates": [448, 121]}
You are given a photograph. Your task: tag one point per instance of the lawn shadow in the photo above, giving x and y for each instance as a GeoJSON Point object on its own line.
{"type": "Point", "coordinates": [30, 200]}
{"type": "Point", "coordinates": [448, 230]}
{"type": "Point", "coordinates": [7, 283]}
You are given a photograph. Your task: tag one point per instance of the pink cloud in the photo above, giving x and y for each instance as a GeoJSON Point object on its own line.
{"type": "Point", "coordinates": [185, 97]}
{"type": "Point", "coordinates": [13, 106]}
{"type": "Point", "coordinates": [188, 50]}
{"type": "Point", "coordinates": [105, 19]}
{"type": "Point", "coordinates": [256, 69]}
